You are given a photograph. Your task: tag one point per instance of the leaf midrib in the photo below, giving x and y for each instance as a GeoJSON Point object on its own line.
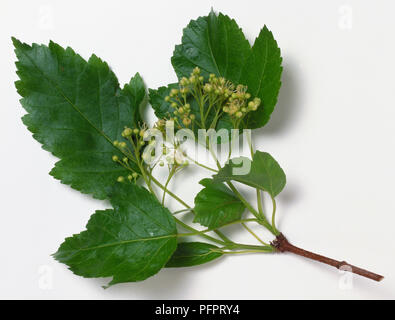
{"type": "Point", "coordinates": [125, 242]}
{"type": "Point", "coordinates": [54, 84]}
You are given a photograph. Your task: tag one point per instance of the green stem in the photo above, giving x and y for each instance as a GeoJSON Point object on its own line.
{"type": "Point", "coordinates": [222, 236]}
{"type": "Point", "coordinates": [167, 183]}
{"type": "Point", "coordinates": [187, 227]}
{"type": "Point", "coordinates": [274, 217]}
{"type": "Point", "coordinates": [201, 165]}
{"type": "Point", "coordinates": [259, 201]}
{"type": "Point", "coordinates": [182, 210]}
{"type": "Point", "coordinates": [258, 192]}
{"type": "Point", "coordinates": [248, 251]}
{"type": "Point", "coordinates": [242, 221]}
{"type": "Point", "coordinates": [254, 234]}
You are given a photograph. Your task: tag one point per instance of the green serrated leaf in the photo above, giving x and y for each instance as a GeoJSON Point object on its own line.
{"type": "Point", "coordinates": [129, 243]}
{"type": "Point", "coordinates": [137, 93]}
{"type": "Point", "coordinates": [215, 44]}
{"type": "Point", "coordinates": [76, 110]}
{"type": "Point", "coordinates": [261, 73]}
{"type": "Point", "coordinates": [263, 172]}
{"type": "Point", "coordinates": [216, 205]}
{"type": "Point", "coordinates": [190, 254]}
{"type": "Point", "coordinates": [161, 108]}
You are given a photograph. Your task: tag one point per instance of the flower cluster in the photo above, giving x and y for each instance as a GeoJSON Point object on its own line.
{"type": "Point", "coordinates": [134, 139]}
{"type": "Point", "coordinates": [237, 105]}
{"type": "Point", "coordinates": [214, 97]}
{"type": "Point", "coordinates": [178, 98]}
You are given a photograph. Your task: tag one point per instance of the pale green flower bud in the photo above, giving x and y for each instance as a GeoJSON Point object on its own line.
{"type": "Point", "coordinates": [208, 87]}
{"type": "Point", "coordinates": [186, 121]}
{"type": "Point", "coordinates": [184, 81]}
{"type": "Point", "coordinates": [127, 132]}
{"type": "Point", "coordinates": [196, 70]}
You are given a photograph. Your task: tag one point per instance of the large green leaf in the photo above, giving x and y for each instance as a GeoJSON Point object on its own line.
{"type": "Point", "coordinates": [263, 172]}
{"type": "Point", "coordinates": [76, 110]}
{"type": "Point", "coordinates": [129, 243]}
{"type": "Point", "coordinates": [216, 205]}
{"type": "Point", "coordinates": [262, 75]}
{"type": "Point", "coordinates": [190, 254]}
{"type": "Point", "coordinates": [215, 44]}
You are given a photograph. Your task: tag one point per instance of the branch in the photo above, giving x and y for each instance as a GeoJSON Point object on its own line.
{"type": "Point", "coordinates": [282, 245]}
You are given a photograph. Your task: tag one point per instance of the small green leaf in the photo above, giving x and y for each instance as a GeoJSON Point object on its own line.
{"type": "Point", "coordinates": [162, 109]}
{"type": "Point", "coordinates": [216, 205]}
{"type": "Point", "coordinates": [137, 93]}
{"type": "Point", "coordinates": [262, 75]}
{"type": "Point", "coordinates": [129, 243]}
{"type": "Point", "coordinates": [263, 172]}
{"type": "Point", "coordinates": [190, 254]}
{"type": "Point", "coordinates": [215, 44]}
{"type": "Point", "coordinates": [76, 110]}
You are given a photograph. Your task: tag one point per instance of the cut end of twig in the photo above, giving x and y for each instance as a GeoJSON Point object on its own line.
{"type": "Point", "coordinates": [281, 244]}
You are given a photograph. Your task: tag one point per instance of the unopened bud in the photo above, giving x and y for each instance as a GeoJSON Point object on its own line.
{"type": "Point", "coordinates": [127, 132]}
{"type": "Point", "coordinates": [186, 121]}
{"type": "Point", "coordinates": [196, 70]}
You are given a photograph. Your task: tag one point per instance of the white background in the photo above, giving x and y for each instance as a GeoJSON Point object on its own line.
{"type": "Point", "coordinates": [333, 133]}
